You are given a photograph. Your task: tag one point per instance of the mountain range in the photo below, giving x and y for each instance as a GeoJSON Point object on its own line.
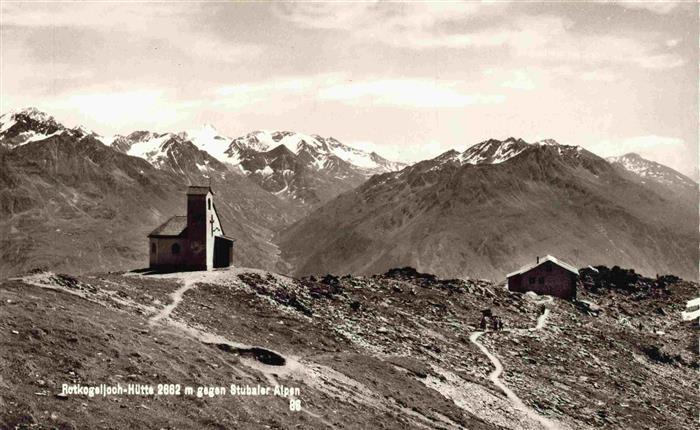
{"type": "Point", "coordinates": [302, 204]}
{"type": "Point", "coordinates": [294, 166]}
{"type": "Point", "coordinates": [496, 206]}
{"type": "Point", "coordinates": [74, 199]}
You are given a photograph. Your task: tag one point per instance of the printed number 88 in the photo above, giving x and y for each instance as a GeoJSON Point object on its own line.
{"type": "Point", "coordinates": [294, 405]}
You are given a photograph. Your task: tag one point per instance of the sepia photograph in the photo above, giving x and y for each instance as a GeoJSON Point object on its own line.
{"type": "Point", "coordinates": [456, 215]}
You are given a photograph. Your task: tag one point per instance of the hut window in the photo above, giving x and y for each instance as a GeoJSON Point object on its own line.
{"type": "Point", "coordinates": [541, 280]}
{"type": "Point", "coordinates": [153, 248]}
{"type": "Point", "coordinates": [532, 279]}
{"type": "Point", "coordinates": [209, 204]}
{"type": "Point", "coordinates": [175, 248]}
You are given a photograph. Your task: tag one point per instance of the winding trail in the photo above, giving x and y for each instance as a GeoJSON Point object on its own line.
{"type": "Point", "coordinates": [494, 376]}
{"type": "Point", "coordinates": [254, 362]}
{"type": "Point", "coordinates": [317, 376]}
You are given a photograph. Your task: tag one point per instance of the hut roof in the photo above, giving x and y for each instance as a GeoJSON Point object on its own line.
{"type": "Point", "coordinates": [554, 260]}
{"type": "Point", "coordinates": [173, 227]}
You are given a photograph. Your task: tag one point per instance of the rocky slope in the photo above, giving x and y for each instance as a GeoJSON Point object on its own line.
{"type": "Point", "coordinates": [389, 351]}
{"type": "Point", "coordinates": [493, 208]}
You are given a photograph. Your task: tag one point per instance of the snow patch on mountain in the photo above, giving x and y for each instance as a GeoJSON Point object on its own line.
{"type": "Point", "coordinates": [150, 146]}
{"type": "Point", "coordinates": [6, 122]}
{"type": "Point", "coordinates": [208, 139]}
{"type": "Point", "coordinates": [633, 163]}
{"type": "Point", "coordinates": [30, 113]}
{"type": "Point", "coordinates": [351, 155]}
{"type": "Point", "coordinates": [35, 137]}
{"type": "Point", "coordinates": [651, 170]}
{"type": "Point", "coordinates": [492, 151]}
{"type": "Point", "coordinates": [266, 171]}
{"type": "Point", "coordinates": [29, 125]}
{"type": "Point", "coordinates": [259, 141]}
{"type": "Point", "coordinates": [318, 149]}
{"type": "Point", "coordinates": [22, 126]}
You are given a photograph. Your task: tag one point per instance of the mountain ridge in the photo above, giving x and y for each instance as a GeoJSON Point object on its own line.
{"type": "Point", "coordinates": [478, 220]}
{"type": "Point", "coordinates": [322, 167]}
{"type": "Point", "coordinates": [284, 180]}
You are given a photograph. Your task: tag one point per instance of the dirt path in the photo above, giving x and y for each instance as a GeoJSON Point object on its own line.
{"type": "Point", "coordinates": [541, 320]}
{"type": "Point", "coordinates": [272, 365]}
{"type": "Point", "coordinates": [494, 376]}
{"type": "Point", "coordinates": [176, 298]}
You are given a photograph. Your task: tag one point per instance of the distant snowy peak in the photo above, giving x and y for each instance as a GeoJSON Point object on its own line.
{"type": "Point", "coordinates": [494, 151]}
{"type": "Point", "coordinates": [23, 126]}
{"type": "Point", "coordinates": [634, 163]}
{"type": "Point", "coordinates": [549, 142]}
{"type": "Point", "coordinates": [318, 151]}
{"type": "Point", "coordinates": [29, 114]}
{"type": "Point", "coordinates": [263, 141]}
{"type": "Point", "coordinates": [175, 152]}
{"type": "Point", "coordinates": [651, 170]}
{"type": "Point", "coordinates": [386, 165]}
{"type": "Point", "coordinates": [258, 141]}
{"type": "Point", "coordinates": [209, 139]}
{"type": "Point", "coordinates": [148, 145]}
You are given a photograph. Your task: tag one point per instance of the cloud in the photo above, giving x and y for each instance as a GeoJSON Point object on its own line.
{"type": "Point", "coordinates": [514, 79]}
{"type": "Point", "coordinates": [661, 61]}
{"type": "Point", "coordinates": [137, 108]}
{"type": "Point", "coordinates": [371, 14]}
{"type": "Point", "coordinates": [130, 16]}
{"type": "Point", "coordinates": [240, 95]}
{"type": "Point", "coordinates": [421, 26]}
{"type": "Point", "coordinates": [638, 143]}
{"type": "Point", "coordinates": [293, 85]}
{"type": "Point", "coordinates": [412, 93]}
{"type": "Point", "coordinates": [175, 25]}
{"type": "Point", "coordinates": [659, 7]}
{"type": "Point", "coordinates": [599, 76]}
{"type": "Point", "coordinates": [335, 87]}
{"type": "Point", "coordinates": [532, 78]}
{"type": "Point", "coordinates": [415, 25]}
{"type": "Point", "coordinates": [603, 50]}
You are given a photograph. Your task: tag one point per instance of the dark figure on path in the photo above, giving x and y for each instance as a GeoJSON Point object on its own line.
{"type": "Point", "coordinates": [483, 322]}
{"type": "Point", "coordinates": [497, 323]}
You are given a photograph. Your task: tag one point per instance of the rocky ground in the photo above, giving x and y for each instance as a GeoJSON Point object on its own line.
{"type": "Point", "coordinates": [389, 351]}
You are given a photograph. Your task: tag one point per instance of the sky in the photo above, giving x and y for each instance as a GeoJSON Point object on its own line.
{"type": "Point", "coordinates": [409, 80]}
